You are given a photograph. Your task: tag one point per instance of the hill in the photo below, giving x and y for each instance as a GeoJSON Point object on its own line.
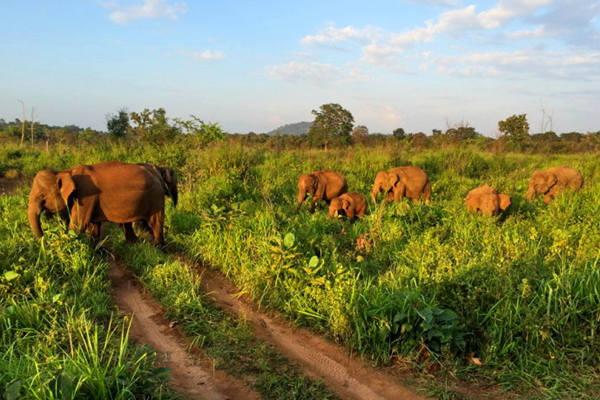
{"type": "Point", "coordinates": [298, 128]}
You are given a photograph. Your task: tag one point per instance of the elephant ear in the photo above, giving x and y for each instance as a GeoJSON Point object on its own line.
{"type": "Point", "coordinates": [550, 179]}
{"type": "Point", "coordinates": [392, 179]}
{"type": "Point", "coordinates": [345, 205]}
{"type": "Point", "coordinates": [504, 201]}
{"type": "Point", "coordinates": [67, 188]}
{"type": "Point", "coordinates": [315, 181]}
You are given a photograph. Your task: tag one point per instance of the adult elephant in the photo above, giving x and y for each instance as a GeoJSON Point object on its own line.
{"type": "Point", "coordinates": [322, 185]}
{"type": "Point", "coordinates": [396, 183]}
{"type": "Point", "coordinates": [550, 182]}
{"type": "Point", "coordinates": [169, 183]}
{"type": "Point", "coordinates": [91, 194]}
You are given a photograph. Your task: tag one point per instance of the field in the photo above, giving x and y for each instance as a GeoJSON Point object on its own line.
{"type": "Point", "coordinates": [510, 301]}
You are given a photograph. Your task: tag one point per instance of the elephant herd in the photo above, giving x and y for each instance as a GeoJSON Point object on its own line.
{"type": "Point", "coordinates": [413, 183]}
{"type": "Point", "coordinates": [86, 196]}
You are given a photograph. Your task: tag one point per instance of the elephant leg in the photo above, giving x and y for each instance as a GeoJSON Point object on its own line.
{"type": "Point", "coordinates": [130, 235]}
{"type": "Point", "coordinates": [156, 222]}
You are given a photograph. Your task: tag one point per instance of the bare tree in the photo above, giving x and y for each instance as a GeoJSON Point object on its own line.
{"type": "Point", "coordinates": [32, 123]}
{"type": "Point", "coordinates": [22, 121]}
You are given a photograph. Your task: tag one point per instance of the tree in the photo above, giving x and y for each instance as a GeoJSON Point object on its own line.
{"type": "Point", "coordinates": [332, 125]}
{"type": "Point", "coordinates": [399, 133]}
{"type": "Point", "coordinates": [515, 127]}
{"type": "Point", "coordinates": [153, 126]}
{"type": "Point", "coordinates": [204, 132]}
{"type": "Point", "coordinates": [118, 124]}
{"type": "Point", "coordinates": [360, 133]}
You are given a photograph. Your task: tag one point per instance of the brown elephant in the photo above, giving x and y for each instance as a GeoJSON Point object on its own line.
{"type": "Point", "coordinates": [349, 204]}
{"type": "Point", "coordinates": [169, 180]}
{"type": "Point", "coordinates": [487, 201]}
{"type": "Point", "coordinates": [396, 183]}
{"type": "Point", "coordinates": [91, 194]}
{"type": "Point", "coordinates": [322, 185]}
{"type": "Point", "coordinates": [550, 182]}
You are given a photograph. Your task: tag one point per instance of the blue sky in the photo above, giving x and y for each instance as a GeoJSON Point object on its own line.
{"type": "Point", "coordinates": [252, 66]}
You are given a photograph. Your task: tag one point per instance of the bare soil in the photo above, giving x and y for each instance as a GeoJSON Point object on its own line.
{"type": "Point", "coordinates": [192, 374]}
{"type": "Point", "coordinates": [7, 186]}
{"type": "Point", "coordinates": [345, 375]}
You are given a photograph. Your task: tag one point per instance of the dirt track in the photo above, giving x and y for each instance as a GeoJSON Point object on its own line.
{"type": "Point", "coordinates": [347, 376]}
{"type": "Point", "coordinates": [191, 374]}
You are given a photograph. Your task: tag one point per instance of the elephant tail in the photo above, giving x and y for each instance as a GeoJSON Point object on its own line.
{"type": "Point", "coordinates": [427, 192]}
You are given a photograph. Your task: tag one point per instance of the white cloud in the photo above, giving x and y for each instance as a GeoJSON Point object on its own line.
{"type": "Point", "coordinates": [315, 72]}
{"type": "Point", "coordinates": [528, 63]}
{"type": "Point", "coordinates": [305, 71]}
{"type": "Point", "coordinates": [205, 55]}
{"type": "Point", "coordinates": [331, 34]}
{"type": "Point", "coordinates": [147, 10]}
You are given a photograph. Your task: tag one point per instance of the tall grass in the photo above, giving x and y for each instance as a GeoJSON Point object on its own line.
{"type": "Point", "coordinates": [59, 338]}
{"type": "Point", "coordinates": [520, 291]}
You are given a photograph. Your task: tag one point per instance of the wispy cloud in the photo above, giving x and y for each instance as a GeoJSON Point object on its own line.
{"type": "Point", "coordinates": [304, 71]}
{"type": "Point", "coordinates": [523, 63]}
{"type": "Point", "coordinates": [314, 72]}
{"type": "Point", "coordinates": [149, 9]}
{"type": "Point", "coordinates": [205, 55]}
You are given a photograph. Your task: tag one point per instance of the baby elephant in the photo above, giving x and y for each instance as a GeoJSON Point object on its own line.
{"type": "Point", "coordinates": [550, 182]}
{"type": "Point", "coordinates": [349, 204]}
{"type": "Point", "coordinates": [486, 200]}
{"type": "Point", "coordinates": [322, 185]}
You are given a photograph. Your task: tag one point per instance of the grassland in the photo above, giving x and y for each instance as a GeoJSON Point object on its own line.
{"type": "Point", "coordinates": [427, 284]}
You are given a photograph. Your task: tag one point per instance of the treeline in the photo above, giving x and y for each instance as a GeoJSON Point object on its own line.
{"type": "Point", "coordinates": [333, 126]}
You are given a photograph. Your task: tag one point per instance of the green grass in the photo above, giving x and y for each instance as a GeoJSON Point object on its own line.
{"type": "Point", "coordinates": [59, 338]}
{"type": "Point", "coordinates": [521, 291]}
{"type": "Point", "coordinates": [226, 339]}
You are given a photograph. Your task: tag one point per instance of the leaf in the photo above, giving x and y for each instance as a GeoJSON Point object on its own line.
{"type": "Point", "coordinates": [289, 239]}
{"type": "Point", "coordinates": [314, 261]}
{"type": "Point", "coordinates": [12, 391]}
{"type": "Point", "coordinates": [10, 275]}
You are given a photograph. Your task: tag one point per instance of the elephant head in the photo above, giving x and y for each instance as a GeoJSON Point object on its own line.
{"type": "Point", "coordinates": [168, 178]}
{"type": "Point", "coordinates": [385, 181]}
{"type": "Point", "coordinates": [50, 192]}
{"type": "Point", "coordinates": [540, 183]}
{"type": "Point", "coordinates": [504, 201]}
{"type": "Point", "coordinates": [307, 183]}
{"type": "Point", "coordinates": [170, 181]}
{"type": "Point", "coordinates": [340, 207]}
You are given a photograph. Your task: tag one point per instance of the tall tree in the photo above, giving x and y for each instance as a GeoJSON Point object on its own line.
{"type": "Point", "coordinates": [332, 125]}
{"type": "Point", "coordinates": [118, 124]}
{"type": "Point", "coordinates": [399, 133]}
{"type": "Point", "coordinates": [515, 127]}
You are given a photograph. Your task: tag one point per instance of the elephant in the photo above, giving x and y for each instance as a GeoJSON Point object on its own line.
{"type": "Point", "coordinates": [169, 180]}
{"type": "Point", "coordinates": [88, 195]}
{"type": "Point", "coordinates": [487, 201]}
{"type": "Point", "coordinates": [550, 182]}
{"type": "Point", "coordinates": [322, 185]}
{"type": "Point", "coordinates": [349, 204]}
{"type": "Point", "coordinates": [395, 183]}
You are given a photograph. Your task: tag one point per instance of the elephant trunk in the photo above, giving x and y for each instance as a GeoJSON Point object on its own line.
{"type": "Point", "coordinates": [374, 193]}
{"type": "Point", "coordinates": [173, 193]}
{"type": "Point", "coordinates": [301, 196]}
{"type": "Point", "coordinates": [530, 194]}
{"type": "Point", "coordinates": [33, 214]}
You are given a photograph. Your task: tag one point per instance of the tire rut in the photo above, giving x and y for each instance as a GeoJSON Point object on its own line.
{"type": "Point", "coordinates": [191, 374]}
{"type": "Point", "coordinates": [345, 375]}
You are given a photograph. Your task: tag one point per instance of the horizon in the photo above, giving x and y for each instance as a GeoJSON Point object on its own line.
{"type": "Point", "coordinates": [255, 67]}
